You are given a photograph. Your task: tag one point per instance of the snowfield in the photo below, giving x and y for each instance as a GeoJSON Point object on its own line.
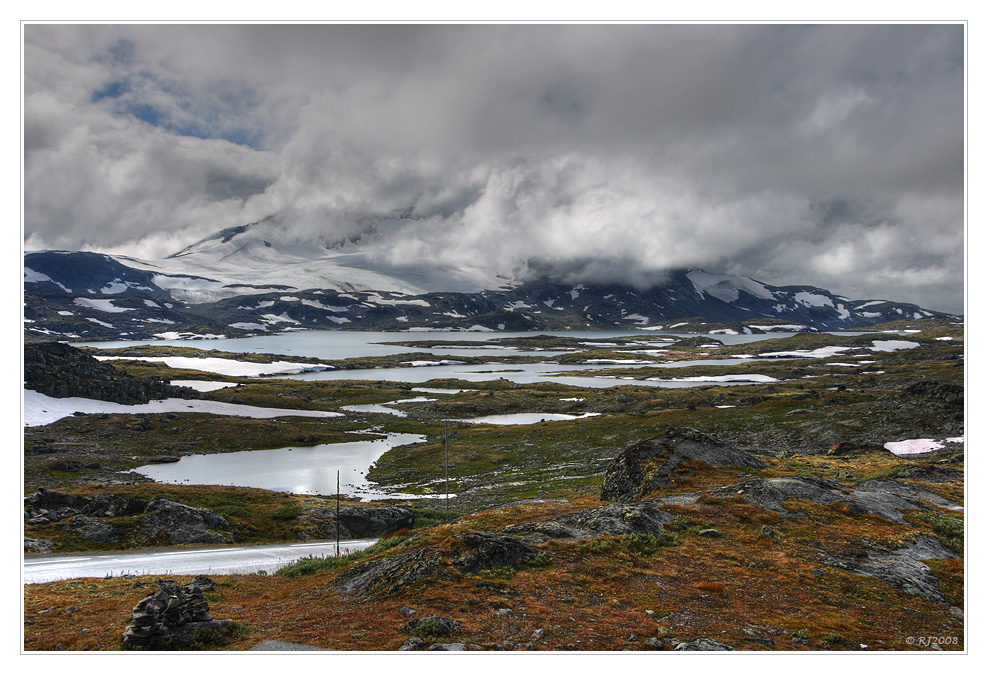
{"type": "Point", "coordinates": [918, 446]}
{"type": "Point", "coordinates": [227, 367]}
{"type": "Point", "coordinates": [40, 409]}
{"type": "Point", "coordinates": [718, 378]}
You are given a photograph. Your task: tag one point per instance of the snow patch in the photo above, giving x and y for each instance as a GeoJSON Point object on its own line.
{"type": "Point", "coordinates": [40, 409]}
{"type": "Point", "coordinates": [892, 345]}
{"type": "Point", "coordinates": [101, 305]}
{"type": "Point", "coordinates": [228, 367]}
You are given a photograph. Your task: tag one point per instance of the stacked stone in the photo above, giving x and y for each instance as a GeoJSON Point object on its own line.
{"type": "Point", "coordinates": [169, 617]}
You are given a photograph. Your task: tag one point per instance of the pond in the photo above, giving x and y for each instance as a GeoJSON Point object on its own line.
{"type": "Point", "coordinates": [296, 469]}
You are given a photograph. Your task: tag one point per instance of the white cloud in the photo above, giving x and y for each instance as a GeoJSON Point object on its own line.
{"type": "Point", "coordinates": [830, 155]}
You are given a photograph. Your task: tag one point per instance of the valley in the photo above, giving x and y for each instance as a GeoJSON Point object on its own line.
{"type": "Point", "coordinates": [813, 407]}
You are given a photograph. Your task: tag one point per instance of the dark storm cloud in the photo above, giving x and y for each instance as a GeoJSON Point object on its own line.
{"type": "Point", "coordinates": [829, 154]}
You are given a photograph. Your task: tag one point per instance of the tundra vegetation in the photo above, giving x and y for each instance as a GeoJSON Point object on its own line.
{"type": "Point", "coordinates": [518, 557]}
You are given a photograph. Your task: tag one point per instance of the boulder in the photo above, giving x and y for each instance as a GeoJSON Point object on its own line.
{"type": "Point", "coordinates": [611, 519]}
{"type": "Point", "coordinates": [91, 529]}
{"type": "Point", "coordinates": [490, 550]}
{"type": "Point", "coordinates": [184, 524]}
{"type": "Point", "coordinates": [389, 575]}
{"type": "Point", "coordinates": [360, 523]}
{"type": "Point", "coordinates": [413, 644]}
{"type": "Point", "coordinates": [170, 617]}
{"type": "Point", "coordinates": [38, 545]}
{"type": "Point", "coordinates": [703, 645]}
{"type": "Point", "coordinates": [645, 465]}
{"type": "Point", "coordinates": [433, 626]}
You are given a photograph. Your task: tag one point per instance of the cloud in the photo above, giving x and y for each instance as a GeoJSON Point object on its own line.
{"type": "Point", "coordinates": [828, 155]}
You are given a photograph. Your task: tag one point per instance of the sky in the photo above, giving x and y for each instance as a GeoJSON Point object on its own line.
{"type": "Point", "coordinates": [830, 155]}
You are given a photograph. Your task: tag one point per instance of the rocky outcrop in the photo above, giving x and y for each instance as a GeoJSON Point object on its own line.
{"type": "Point", "coordinates": [901, 567]}
{"type": "Point", "coordinates": [360, 523]}
{"type": "Point", "coordinates": [611, 519]}
{"type": "Point", "coordinates": [48, 506]}
{"type": "Point", "coordinates": [389, 575]}
{"type": "Point", "coordinates": [645, 465]}
{"type": "Point", "coordinates": [886, 498]}
{"type": "Point", "coordinates": [184, 524]}
{"type": "Point", "coordinates": [60, 371]}
{"type": "Point", "coordinates": [170, 617]}
{"type": "Point", "coordinates": [82, 516]}
{"type": "Point", "coordinates": [933, 390]}
{"type": "Point", "coordinates": [490, 550]}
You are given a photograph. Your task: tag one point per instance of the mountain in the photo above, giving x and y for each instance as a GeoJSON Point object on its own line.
{"type": "Point", "coordinates": [253, 279]}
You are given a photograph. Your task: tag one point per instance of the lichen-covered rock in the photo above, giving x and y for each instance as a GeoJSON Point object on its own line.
{"type": "Point", "coordinates": [902, 567]}
{"type": "Point", "coordinates": [389, 575]}
{"type": "Point", "coordinates": [490, 550]}
{"type": "Point", "coordinates": [184, 524]}
{"type": "Point", "coordinates": [611, 520]}
{"type": "Point", "coordinates": [433, 626]}
{"type": "Point", "coordinates": [645, 465]}
{"type": "Point", "coordinates": [60, 371]}
{"type": "Point", "coordinates": [703, 645]}
{"type": "Point", "coordinates": [886, 498]}
{"type": "Point", "coordinates": [93, 530]}
{"type": "Point", "coordinates": [359, 523]}
{"type": "Point", "coordinates": [38, 545]}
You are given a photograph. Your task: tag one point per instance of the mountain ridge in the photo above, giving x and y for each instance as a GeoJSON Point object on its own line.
{"type": "Point", "coordinates": [244, 280]}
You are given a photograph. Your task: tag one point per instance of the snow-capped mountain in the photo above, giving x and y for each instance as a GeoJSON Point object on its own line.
{"type": "Point", "coordinates": [251, 279]}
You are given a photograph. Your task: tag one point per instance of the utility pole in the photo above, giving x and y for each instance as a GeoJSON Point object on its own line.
{"type": "Point", "coordinates": [337, 513]}
{"type": "Point", "coordinates": [446, 452]}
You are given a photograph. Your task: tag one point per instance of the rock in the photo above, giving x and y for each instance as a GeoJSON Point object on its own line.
{"type": "Point", "coordinates": [388, 575]}
{"type": "Point", "coordinates": [841, 449]}
{"type": "Point", "coordinates": [645, 465]}
{"type": "Point", "coordinates": [91, 529]}
{"type": "Point", "coordinates": [948, 392]}
{"type": "Point", "coordinates": [538, 635]}
{"type": "Point", "coordinates": [203, 582]}
{"type": "Point", "coordinates": [60, 371]}
{"type": "Point", "coordinates": [433, 626]}
{"type": "Point", "coordinates": [703, 645]}
{"type": "Point", "coordinates": [448, 647]}
{"type": "Point", "coordinates": [768, 532]}
{"type": "Point", "coordinates": [407, 612]}
{"type": "Point", "coordinates": [38, 545]}
{"type": "Point", "coordinates": [710, 532]}
{"type": "Point", "coordinates": [653, 645]}
{"type": "Point", "coordinates": [278, 646]}
{"type": "Point", "coordinates": [927, 474]}
{"type": "Point", "coordinates": [902, 567]}
{"type": "Point", "coordinates": [643, 517]}
{"type": "Point", "coordinates": [184, 524]}
{"type": "Point", "coordinates": [881, 497]}
{"type": "Point", "coordinates": [490, 550]}
{"type": "Point", "coordinates": [361, 523]}
{"type": "Point", "coordinates": [413, 644]}
{"type": "Point", "coordinates": [956, 612]}
{"type": "Point", "coordinates": [170, 618]}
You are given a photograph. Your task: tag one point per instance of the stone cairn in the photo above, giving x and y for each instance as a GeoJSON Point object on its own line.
{"type": "Point", "coordinates": [169, 617]}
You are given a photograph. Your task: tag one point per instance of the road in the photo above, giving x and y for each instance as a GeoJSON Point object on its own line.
{"type": "Point", "coordinates": [226, 560]}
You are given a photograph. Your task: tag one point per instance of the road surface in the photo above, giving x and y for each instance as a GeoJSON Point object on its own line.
{"type": "Point", "coordinates": [222, 560]}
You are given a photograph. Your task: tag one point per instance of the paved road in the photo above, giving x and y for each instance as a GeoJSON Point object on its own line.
{"type": "Point", "coordinates": [223, 560]}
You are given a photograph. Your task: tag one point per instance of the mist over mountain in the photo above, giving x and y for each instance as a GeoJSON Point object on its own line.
{"type": "Point", "coordinates": [253, 279]}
